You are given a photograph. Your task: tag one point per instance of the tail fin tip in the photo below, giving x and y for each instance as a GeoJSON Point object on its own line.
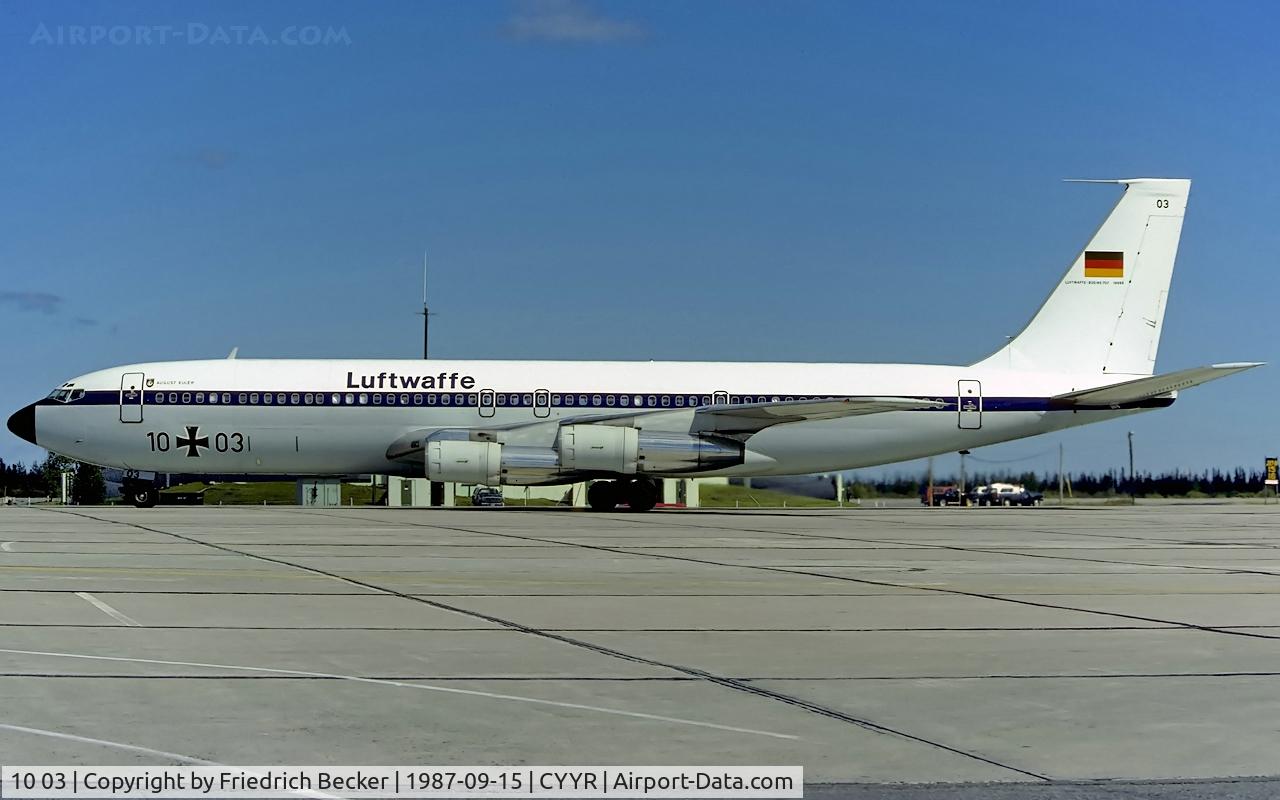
{"type": "Point", "coordinates": [1105, 315]}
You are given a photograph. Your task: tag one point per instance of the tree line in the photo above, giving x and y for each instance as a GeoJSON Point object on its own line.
{"type": "Point", "coordinates": [1238, 482]}
{"type": "Point", "coordinates": [88, 486]}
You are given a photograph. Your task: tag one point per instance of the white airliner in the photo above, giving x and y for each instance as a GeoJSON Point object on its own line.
{"type": "Point", "coordinates": [1087, 355]}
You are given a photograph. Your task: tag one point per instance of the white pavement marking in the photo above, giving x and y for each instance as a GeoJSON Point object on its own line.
{"type": "Point", "coordinates": [71, 737]}
{"type": "Point", "coordinates": [406, 685]}
{"type": "Point", "coordinates": [108, 610]}
{"type": "Point", "coordinates": [6, 546]}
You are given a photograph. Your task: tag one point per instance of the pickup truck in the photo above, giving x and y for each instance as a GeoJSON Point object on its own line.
{"type": "Point", "coordinates": [941, 496]}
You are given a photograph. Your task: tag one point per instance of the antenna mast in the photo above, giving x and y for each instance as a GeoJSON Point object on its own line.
{"type": "Point", "coordinates": [426, 313]}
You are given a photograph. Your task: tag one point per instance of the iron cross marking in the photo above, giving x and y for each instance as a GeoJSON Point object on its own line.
{"type": "Point", "coordinates": [191, 442]}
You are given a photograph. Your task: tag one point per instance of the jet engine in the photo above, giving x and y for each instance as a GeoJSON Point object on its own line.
{"type": "Point", "coordinates": [607, 448]}
{"type": "Point", "coordinates": [579, 450]}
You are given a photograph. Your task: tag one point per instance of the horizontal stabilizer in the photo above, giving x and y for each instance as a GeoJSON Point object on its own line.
{"type": "Point", "coordinates": [1146, 388]}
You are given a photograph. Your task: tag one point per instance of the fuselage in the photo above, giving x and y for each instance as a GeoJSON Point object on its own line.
{"type": "Point", "coordinates": [337, 417]}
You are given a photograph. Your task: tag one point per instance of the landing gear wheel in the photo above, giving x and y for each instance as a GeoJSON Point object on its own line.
{"type": "Point", "coordinates": [144, 496]}
{"type": "Point", "coordinates": [641, 495]}
{"type": "Point", "coordinates": [602, 496]}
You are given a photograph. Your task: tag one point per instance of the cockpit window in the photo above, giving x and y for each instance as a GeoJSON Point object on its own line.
{"type": "Point", "coordinates": [66, 394]}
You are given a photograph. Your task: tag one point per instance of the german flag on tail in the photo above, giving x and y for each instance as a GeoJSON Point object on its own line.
{"type": "Point", "coordinates": [1098, 264]}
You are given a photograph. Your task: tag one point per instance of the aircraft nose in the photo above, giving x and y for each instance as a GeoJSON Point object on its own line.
{"type": "Point", "coordinates": [23, 423]}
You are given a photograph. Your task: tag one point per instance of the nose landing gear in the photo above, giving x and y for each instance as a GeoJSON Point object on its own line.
{"type": "Point", "coordinates": [639, 494]}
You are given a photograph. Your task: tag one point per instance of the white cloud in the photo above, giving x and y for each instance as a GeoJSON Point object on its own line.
{"type": "Point", "coordinates": [568, 21]}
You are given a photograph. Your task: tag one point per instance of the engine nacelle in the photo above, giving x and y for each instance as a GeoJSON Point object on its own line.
{"type": "Point", "coordinates": [453, 461]}
{"type": "Point", "coordinates": [662, 453]}
{"type": "Point", "coordinates": [607, 448]}
{"type": "Point", "coordinates": [599, 448]}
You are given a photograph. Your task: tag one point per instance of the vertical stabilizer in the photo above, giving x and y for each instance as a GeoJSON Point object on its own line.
{"type": "Point", "coordinates": [1106, 314]}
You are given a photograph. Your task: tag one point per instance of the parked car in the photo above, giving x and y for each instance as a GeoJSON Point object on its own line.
{"type": "Point", "coordinates": [1004, 494]}
{"type": "Point", "coordinates": [486, 496]}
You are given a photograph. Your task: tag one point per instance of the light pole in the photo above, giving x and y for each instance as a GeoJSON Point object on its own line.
{"type": "Point", "coordinates": [1061, 495]}
{"type": "Point", "coordinates": [964, 495]}
{"type": "Point", "coordinates": [1133, 489]}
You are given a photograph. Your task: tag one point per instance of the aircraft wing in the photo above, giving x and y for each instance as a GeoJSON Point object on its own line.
{"type": "Point", "coordinates": [1136, 391]}
{"type": "Point", "coordinates": [734, 419]}
{"type": "Point", "coordinates": [750, 418]}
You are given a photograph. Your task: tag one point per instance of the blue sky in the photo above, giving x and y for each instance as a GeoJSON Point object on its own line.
{"type": "Point", "coordinates": [756, 181]}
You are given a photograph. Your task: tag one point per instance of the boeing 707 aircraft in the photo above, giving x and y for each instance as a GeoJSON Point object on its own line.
{"type": "Point", "coordinates": [1087, 355]}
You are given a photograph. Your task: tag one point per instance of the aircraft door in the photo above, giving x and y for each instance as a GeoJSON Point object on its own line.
{"type": "Point", "coordinates": [720, 398]}
{"type": "Point", "coordinates": [487, 403]}
{"type": "Point", "coordinates": [131, 394]}
{"type": "Point", "coordinates": [542, 403]}
{"type": "Point", "coordinates": [969, 404]}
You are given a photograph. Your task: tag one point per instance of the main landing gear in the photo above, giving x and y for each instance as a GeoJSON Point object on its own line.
{"type": "Point", "coordinates": [638, 494]}
{"type": "Point", "coordinates": [142, 494]}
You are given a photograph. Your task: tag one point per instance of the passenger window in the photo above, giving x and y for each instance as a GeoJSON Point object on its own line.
{"type": "Point", "coordinates": [350, 398]}
{"type": "Point", "coordinates": [377, 399]}
{"type": "Point", "coordinates": [404, 399]}
{"type": "Point", "coordinates": [568, 399]}
{"type": "Point", "coordinates": [336, 398]}
{"type": "Point", "coordinates": [582, 399]}
{"type": "Point", "coordinates": [609, 399]}
{"type": "Point", "coordinates": [444, 399]}
{"type": "Point", "coordinates": [528, 399]}
{"type": "Point", "coordinates": [680, 401]}
{"type": "Point", "coordinates": [266, 399]}
{"type": "Point", "coordinates": [666, 401]}
{"type": "Point", "coordinates": [652, 401]}
{"type": "Point", "coordinates": [364, 399]}
{"type": "Point", "coordinates": [417, 399]}
{"type": "Point", "coordinates": [186, 397]}
{"type": "Point", "coordinates": [431, 399]}
{"type": "Point", "coordinates": [459, 400]}
{"type": "Point", "coordinates": [226, 398]}
{"type": "Point", "coordinates": [595, 400]}
{"type": "Point", "coordinates": [555, 399]}
{"type": "Point", "coordinates": [159, 397]}
{"type": "Point", "coordinates": [624, 400]}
